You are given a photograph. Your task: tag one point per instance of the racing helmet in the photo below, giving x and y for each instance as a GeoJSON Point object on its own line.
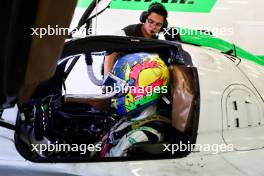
{"type": "Point", "coordinates": [140, 79]}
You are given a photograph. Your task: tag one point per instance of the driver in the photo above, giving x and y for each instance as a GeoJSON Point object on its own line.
{"type": "Point", "coordinates": [152, 21]}
{"type": "Point", "coordinates": [140, 79]}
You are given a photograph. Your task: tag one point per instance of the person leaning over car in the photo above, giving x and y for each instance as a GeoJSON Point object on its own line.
{"type": "Point", "coordinates": [152, 22]}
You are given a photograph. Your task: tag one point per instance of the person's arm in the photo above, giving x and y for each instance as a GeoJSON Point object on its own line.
{"type": "Point", "coordinates": [109, 62]}
{"type": "Point", "coordinates": [110, 59]}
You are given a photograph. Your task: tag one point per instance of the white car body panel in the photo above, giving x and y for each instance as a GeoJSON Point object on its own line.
{"type": "Point", "coordinates": [220, 77]}
{"type": "Point", "coordinates": [255, 73]}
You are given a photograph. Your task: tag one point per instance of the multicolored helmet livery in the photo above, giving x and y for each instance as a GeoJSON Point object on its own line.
{"type": "Point", "coordinates": [146, 78]}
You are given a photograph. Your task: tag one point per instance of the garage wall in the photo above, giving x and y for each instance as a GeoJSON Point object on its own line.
{"type": "Point", "coordinates": [243, 19]}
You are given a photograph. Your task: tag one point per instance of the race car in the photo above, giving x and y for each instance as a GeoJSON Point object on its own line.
{"type": "Point", "coordinates": [214, 97]}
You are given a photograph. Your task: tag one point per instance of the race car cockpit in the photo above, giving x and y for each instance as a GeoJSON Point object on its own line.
{"type": "Point", "coordinates": [54, 126]}
{"type": "Point", "coordinates": [53, 117]}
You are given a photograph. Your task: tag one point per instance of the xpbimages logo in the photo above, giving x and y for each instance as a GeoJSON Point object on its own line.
{"type": "Point", "coordinates": [139, 90]}
{"type": "Point", "coordinates": [56, 147]}
{"type": "Point", "coordinates": [197, 31]}
{"type": "Point", "coordinates": [183, 147]}
{"type": "Point", "coordinates": [60, 31]}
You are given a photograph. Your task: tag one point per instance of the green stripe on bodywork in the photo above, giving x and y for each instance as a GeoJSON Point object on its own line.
{"type": "Point", "coordinates": [221, 45]}
{"type": "Point", "coordinates": [200, 6]}
{"type": "Point", "coordinates": [262, 57]}
{"type": "Point", "coordinates": [83, 3]}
